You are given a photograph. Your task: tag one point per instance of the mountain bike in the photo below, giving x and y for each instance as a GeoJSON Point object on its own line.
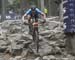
{"type": "Point", "coordinates": [35, 33]}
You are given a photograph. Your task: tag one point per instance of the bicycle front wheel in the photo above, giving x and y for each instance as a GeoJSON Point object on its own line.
{"type": "Point", "coordinates": [36, 37]}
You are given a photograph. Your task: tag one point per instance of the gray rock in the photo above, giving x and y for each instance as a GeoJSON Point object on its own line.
{"type": "Point", "coordinates": [6, 24]}
{"type": "Point", "coordinates": [18, 57]}
{"type": "Point", "coordinates": [16, 50]}
{"type": "Point", "coordinates": [11, 58]}
{"type": "Point", "coordinates": [2, 59]}
{"type": "Point", "coordinates": [49, 57]}
{"type": "Point", "coordinates": [14, 37]}
{"type": "Point", "coordinates": [53, 25]}
{"type": "Point", "coordinates": [44, 49]}
{"type": "Point", "coordinates": [38, 58]}
{"type": "Point", "coordinates": [23, 59]}
{"type": "Point", "coordinates": [26, 36]}
{"type": "Point", "coordinates": [46, 32]}
{"type": "Point", "coordinates": [3, 46]}
{"type": "Point", "coordinates": [1, 36]}
{"type": "Point", "coordinates": [65, 59]}
{"type": "Point", "coordinates": [1, 56]}
{"type": "Point", "coordinates": [2, 43]}
{"type": "Point", "coordinates": [3, 49]}
{"type": "Point", "coordinates": [14, 29]}
{"type": "Point", "coordinates": [26, 44]}
{"type": "Point", "coordinates": [20, 41]}
{"type": "Point", "coordinates": [59, 35]}
{"type": "Point", "coordinates": [25, 52]}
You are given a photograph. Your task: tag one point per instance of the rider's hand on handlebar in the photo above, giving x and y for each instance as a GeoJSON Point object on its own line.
{"type": "Point", "coordinates": [25, 23]}
{"type": "Point", "coordinates": [44, 21]}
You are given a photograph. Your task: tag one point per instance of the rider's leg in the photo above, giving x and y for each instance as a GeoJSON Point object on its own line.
{"type": "Point", "coordinates": [29, 21]}
{"type": "Point", "coordinates": [29, 18]}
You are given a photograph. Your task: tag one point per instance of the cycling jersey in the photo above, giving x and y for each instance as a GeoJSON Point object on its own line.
{"type": "Point", "coordinates": [37, 11]}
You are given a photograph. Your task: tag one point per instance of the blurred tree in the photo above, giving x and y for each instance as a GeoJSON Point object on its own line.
{"type": "Point", "coordinates": [0, 5]}
{"type": "Point", "coordinates": [16, 5]}
{"type": "Point", "coordinates": [57, 1]}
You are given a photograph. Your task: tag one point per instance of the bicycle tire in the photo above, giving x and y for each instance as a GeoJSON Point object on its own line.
{"type": "Point", "coordinates": [36, 40]}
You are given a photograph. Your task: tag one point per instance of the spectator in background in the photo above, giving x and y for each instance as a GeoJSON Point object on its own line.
{"type": "Point", "coordinates": [46, 11]}
{"type": "Point", "coordinates": [12, 14]}
{"type": "Point", "coordinates": [58, 1]}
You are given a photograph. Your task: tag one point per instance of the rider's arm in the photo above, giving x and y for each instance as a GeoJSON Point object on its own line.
{"type": "Point", "coordinates": [40, 12]}
{"type": "Point", "coordinates": [23, 17]}
{"type": "Point", "coordinates": [43, 14]}
{"type": "Point", "coordinates": [28, 12]}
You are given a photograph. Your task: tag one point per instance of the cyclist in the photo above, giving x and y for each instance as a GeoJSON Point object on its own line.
{"type": "Point", "coordinates": [33, 12]}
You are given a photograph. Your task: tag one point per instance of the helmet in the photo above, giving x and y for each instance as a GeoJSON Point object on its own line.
{"type": "Point", "coordinates": [33, 7]}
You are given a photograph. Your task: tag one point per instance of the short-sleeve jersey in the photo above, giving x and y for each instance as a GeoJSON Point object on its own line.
{"type": "Point", "coordinates": [37, 11]}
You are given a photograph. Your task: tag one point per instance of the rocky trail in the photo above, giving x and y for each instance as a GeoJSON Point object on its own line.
{"type": "Point", "coordinates": [16, 43]}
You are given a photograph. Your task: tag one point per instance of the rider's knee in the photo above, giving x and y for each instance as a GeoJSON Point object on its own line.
{"type": "Point", "coordinates": [29, 17]}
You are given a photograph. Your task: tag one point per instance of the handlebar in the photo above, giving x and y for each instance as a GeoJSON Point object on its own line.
{"type": "Point", "coordinates": [40, 22]}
